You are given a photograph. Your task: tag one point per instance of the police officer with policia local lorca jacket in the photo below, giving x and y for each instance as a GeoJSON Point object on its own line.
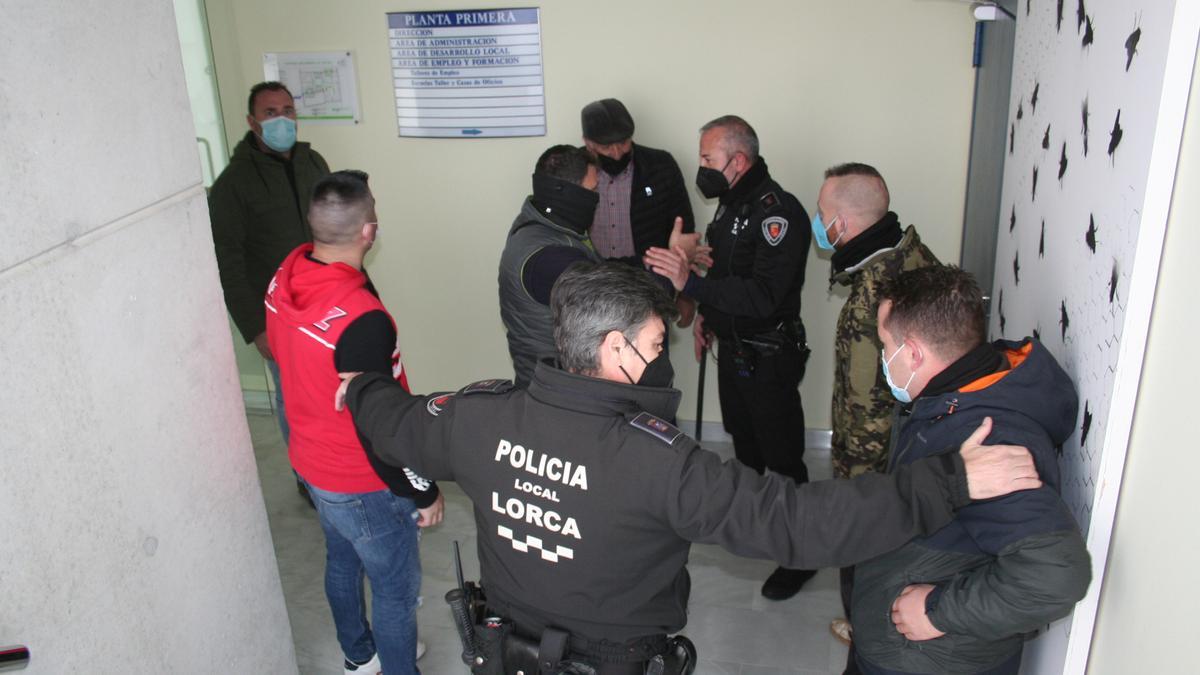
{"type": "Point", "coordinates": [587, 501]}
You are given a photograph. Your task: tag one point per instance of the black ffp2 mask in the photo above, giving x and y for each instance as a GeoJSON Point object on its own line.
{"type": "Point", "coordinates": [657, 373]}
{"type": "Point", "coordinates": [614, 167]}
{"type": "Point", "coordinates": [712, 182]}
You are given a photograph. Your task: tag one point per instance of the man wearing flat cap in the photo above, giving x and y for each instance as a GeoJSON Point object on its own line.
{"type": "Point", "coordinates": [642, 193]}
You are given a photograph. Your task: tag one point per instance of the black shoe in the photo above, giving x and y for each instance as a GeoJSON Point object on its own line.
{"type": "Point", "coordinates": [784, 583]}
{"type": "Point", "coordinates": [304, 493]}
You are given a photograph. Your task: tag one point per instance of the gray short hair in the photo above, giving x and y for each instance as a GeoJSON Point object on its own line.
{"type": "Point", "coordinates": [590, 300]}
{"type": "Point", "coordinates": [739, 135]}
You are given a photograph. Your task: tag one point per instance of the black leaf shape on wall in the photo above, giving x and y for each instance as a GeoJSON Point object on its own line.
{"type": "Point", "coordinates": [1020, 109]}
{"type": "Point", "coordinates": [1046, 138]}
{"type": "Point", "coordinates": [1090, 236]}
{"type": "Point", "coordinates": [1131, 44]}
{"type": "Point", "coordinates": [1012, 219]}
{"type": "Point", "coordinates": [1088, 36]}
{"type": "Point", "coordinates": [1012, 134]}
{"type": "Point", "coordinates": [1080, 15]}
{"type": "Point", "coordinates": [1016, 269]}
{"type": "Point", "coordinates": [1064, 320]}
{"type": "Point", "coordinates": [1034, 98]}
{"type": "Point", "coordinates": [1037, 334]}
{"type": "Point", "coordinates": [1114, 137]}
{"type": "Point", "coordinates": [1035, 176]}
{"type": "Point", "coordinates": [1058, 22]}
{"type": "Point", "coordinates": [1042, 241]}
{"type": "Point", "coordinates": [1027, 6]}
{"type": "Point", "coordinates": [1000, 311]}
{"type": "Point", "coordinates": [1112, 283]}
{"type": "Point", "coordinates": [1087, 423]}
{"type": "Point", "coordinates": [1085, 128]}
{"type": "Point", "coordinates": [1062, 162]}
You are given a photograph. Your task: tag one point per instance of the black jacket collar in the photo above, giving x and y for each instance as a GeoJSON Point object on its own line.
{"type": "Point", "coordinates": [555, 386]}
{"type": "Point", "coordinates": [885, 234]}
{"type": "Point", "coordinates": [749, 184]}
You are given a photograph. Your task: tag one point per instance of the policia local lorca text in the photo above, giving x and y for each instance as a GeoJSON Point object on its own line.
{"type": "Point", "coordinates": [542, 466]}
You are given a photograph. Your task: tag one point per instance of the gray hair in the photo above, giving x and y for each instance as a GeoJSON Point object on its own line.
{"type": "Point", "coordinates": [739, 135]}
{"type": "Point", "coordinates": [590, 300]}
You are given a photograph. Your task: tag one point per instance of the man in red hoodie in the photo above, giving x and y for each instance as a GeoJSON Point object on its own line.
{"type": "Point", "coordinates": [324, 317]}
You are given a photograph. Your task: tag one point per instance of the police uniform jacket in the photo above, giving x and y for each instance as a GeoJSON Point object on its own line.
{"type": "Point", "coordinates": [586, 501]}
{"type": "Point", "coordinates": [760, 238]}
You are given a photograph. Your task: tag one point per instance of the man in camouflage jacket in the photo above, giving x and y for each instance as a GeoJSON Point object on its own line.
{"type": "Point", "coordinates": [869, 247]}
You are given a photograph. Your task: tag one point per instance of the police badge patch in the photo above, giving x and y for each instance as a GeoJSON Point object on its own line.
{"type": "Point", "coordinates": [774, 229]}
{"type": "Point", "coordinates": [434, 405]}
{"type": "Point", "coordinates": [659, 428]}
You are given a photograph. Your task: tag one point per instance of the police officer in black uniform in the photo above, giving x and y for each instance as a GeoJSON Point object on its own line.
{"type": "Point", "coordinates": [750, 301]}
{"type": "Point", "coordinates": [586, 500]}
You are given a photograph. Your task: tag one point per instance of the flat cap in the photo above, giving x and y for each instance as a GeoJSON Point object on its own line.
{"type": "Point", "coordinates": [606, 121]}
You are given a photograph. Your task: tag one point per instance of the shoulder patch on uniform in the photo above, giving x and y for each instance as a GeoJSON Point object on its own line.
{"type": "Point", "coordinates": [487, 387]}
{"type": "Point", "coordinates": [769, 201]}
{"type": "Point", "coordinates": [659, 428]}
{"type": "Point", "coordinates": [435, 403]}
{"type": "Point", "coordinates": [774, 229]}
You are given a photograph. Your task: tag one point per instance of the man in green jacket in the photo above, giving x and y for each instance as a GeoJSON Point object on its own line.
{"type": "Point", "coordinates": [259, 211]}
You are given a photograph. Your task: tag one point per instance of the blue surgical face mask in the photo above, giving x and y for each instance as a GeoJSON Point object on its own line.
{"type": "Point", "coordinates": [901, 393]}
{"type": "Point", "coordinates": [821, 234]}
{"type": "Point", "coordinates": [279, 133]}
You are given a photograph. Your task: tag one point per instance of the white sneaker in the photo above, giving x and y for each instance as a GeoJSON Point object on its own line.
{"type": "Point", "coordinates": [372, 667]}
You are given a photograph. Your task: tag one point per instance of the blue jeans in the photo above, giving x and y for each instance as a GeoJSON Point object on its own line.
{"type": "Point", "coordinates": [375, 532]}
{"type": "Point", "coordinates": [279, 413]}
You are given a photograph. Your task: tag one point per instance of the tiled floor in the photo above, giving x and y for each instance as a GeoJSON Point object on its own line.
{"type": "Point", "coordinates": [736, 630]}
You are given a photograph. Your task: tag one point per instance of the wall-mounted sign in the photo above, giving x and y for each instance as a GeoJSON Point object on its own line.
{"type": "Point", "coordinates": [322, 84]}
{"type": "Point", "coordinates": [470, 73]}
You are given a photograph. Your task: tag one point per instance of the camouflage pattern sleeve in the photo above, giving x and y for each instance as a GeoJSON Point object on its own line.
{"type": "Point", "coordinates": [862, 402]}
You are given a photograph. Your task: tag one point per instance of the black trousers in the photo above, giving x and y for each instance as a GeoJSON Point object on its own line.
{"type": "Point", "coordinates": [760, 406]}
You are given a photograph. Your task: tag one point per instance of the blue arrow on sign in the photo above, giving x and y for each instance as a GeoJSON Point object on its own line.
{"type": "Point", "coordinates": [472, 132]}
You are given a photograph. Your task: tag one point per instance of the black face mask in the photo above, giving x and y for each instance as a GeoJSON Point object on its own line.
{"type": "Point", "coordinates": [658, 373]}
{"type": "Point", "coordinates": [712, 183]}
{"type": "Point", "coordinates": [566, 203]}
{"type": "Point", "coordinates": [614, 167]}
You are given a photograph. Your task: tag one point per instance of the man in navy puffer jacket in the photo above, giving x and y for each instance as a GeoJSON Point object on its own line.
{"type": "Point", "coordinates": [959, 600]}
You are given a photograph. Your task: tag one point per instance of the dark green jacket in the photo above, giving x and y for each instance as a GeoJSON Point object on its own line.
{"type": "Point", "coordinates": [259, 212]}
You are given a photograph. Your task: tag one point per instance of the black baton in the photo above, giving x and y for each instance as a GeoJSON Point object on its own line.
{"type": "Point", "coordinates": [460, 611]}
{"type": "Point", "coordinates": [700, 393]}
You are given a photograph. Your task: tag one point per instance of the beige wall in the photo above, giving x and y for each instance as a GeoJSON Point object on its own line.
{"type": "Point", "coordinates": [1146, 621]}
{"type": "Point", "coordinates": [888, 82]}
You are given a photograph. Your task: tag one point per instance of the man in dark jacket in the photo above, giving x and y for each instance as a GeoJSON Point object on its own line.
{"type": "Point", "coordinates": [549, 235]}
{"type": "Point", "coordinates": [642, 193]}
{"type": "Point", "coordinates": [750, 302]}
{"type": "Point", "coordinates": [586, 500]}
{"type": "Point", "coordinates": [259, 211]}
{"type": "Point", "coordinates": [959, 600]}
